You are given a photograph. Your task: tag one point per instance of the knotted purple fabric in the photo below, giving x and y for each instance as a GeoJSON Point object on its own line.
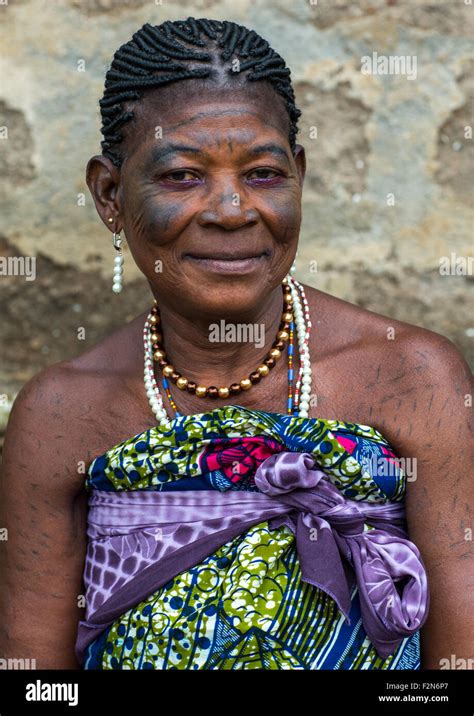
{"type": "Point", "coordinates": [141, 539]}
{"type": "Point", "coordinates": [329, 529]}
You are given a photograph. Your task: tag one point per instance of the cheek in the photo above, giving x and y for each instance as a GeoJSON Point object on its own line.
{"type": "Point", "coordinates": [285, 212]}
{"type": "Point", "coordinates": [153, 222]}
{"type": "Point", "coordinates": [162, 221]}
{"type": "Point", "coordinates": [151, 229]}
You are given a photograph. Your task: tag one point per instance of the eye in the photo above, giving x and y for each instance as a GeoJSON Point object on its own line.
{"type": "Point", "coordinates": [179, 175]}
{"type": "Point", "coordinates": [262, 171]}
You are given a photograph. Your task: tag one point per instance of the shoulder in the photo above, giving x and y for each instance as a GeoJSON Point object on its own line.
{"type": "Point", "coordinates": [42, 434]}
{"type": "Point", "coordinates": [435, 356]}
{"type": "Point", "coordinates": [71, 411]}
{"type": "Point", "coordinates": [46, 394]}
{"type": "Point", "coordinates": [351, 323]}
{"type": "Point", "coordinates": [393, 375]}
{"type": "Point", "coordinates": [69, 387]}
{"type": "Point", "coordinates": [119, 352]}
{"type": "Point", "coordinates": [418, 350]}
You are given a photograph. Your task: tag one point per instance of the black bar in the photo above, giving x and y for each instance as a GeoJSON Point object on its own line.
{"type": "Point", "coordinates": [313, 692]}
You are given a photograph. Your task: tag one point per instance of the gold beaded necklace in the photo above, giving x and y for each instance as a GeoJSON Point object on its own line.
{"type": "Point", "coordinates": [201, 391]}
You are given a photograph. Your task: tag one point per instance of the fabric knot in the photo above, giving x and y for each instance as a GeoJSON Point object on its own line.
{"type": "Point", "coordinates": [287, 471]}
{"type": "Point", "coordinates": [335, 549]}
{"type": "Point", "coordinates": [346, 518]}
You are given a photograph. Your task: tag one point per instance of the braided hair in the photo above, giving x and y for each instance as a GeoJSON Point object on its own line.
{"type": "Point", "coordinates": [161, 54]}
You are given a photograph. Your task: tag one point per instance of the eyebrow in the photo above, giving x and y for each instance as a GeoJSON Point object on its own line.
{"type": "Point", "coordinates": [268, 148]}
{"type": "Point", "coordinates": [159, 153]}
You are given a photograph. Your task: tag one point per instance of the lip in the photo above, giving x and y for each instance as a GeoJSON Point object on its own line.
{"type": "Point", "coordinates": [220, 263]}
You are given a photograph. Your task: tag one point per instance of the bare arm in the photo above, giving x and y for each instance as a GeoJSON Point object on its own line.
{"type": "Point", "coordinates": [440, 500]}
{"type": "Point", "coordinates": [43, 507]}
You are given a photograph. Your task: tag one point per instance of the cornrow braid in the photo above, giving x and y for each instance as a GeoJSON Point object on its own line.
{"type": "Point", "coordinates": [156, 56]}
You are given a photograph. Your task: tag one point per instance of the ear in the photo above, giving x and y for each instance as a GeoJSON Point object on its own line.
{"type": "Point", "coordinates": [300, 160]}
{"type": "Point", "coordinates": [103, 180]}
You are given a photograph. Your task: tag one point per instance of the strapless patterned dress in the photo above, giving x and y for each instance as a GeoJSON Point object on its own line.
{"type": "Point", "coordinates": [243, 539]}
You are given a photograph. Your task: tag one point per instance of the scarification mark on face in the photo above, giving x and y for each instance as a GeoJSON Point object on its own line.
{"type": "Point", "coordinates": [445, 404]}
{"type": "Point", "coordinates": [162, 216]}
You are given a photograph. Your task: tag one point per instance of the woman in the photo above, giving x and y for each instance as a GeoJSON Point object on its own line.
{"type": "Point", "coordinates": [240, 438]}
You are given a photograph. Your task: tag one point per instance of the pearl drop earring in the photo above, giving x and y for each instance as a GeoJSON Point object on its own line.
{"type": "Point", "coordinates": [118, 264]}
{"type": "Point", "coordinates": [118, 261]}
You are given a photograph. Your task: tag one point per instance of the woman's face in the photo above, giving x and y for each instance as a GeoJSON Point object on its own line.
{"type": "Point", "coordinates": [209, 196]}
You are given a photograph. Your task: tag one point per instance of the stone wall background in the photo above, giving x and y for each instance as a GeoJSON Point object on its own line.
{"type": "Point", "coordinates": [376, 136]}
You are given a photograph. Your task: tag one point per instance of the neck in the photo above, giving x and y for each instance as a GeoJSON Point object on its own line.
{"type": "Point", "coordinates": [220, 351]}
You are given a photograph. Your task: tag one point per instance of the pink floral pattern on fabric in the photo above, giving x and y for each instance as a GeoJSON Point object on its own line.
{"type": "Point", "coordinates": [238, 458]}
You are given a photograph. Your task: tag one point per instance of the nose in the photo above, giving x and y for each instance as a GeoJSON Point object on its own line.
{"type": "Point", "coordinates": [227, 205]}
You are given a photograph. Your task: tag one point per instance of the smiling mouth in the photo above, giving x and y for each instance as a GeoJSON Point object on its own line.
{"type": "Point", "coordinates": [222, 262]}
{"type": "Point", "coordinates": [222, 256]}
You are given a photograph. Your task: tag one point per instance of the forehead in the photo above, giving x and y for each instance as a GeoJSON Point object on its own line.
{"type": "Point", "coordinates": [184, 109]}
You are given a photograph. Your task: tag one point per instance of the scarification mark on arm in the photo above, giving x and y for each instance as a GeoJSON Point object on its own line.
{"type": "Point", "coordinates": [397, 378]}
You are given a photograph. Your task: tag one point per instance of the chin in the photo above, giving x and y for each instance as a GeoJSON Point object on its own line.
{"type": "Point", "coordinates": [230, 296]}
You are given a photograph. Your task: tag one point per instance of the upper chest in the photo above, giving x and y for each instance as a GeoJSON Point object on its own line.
{"type": "Point", "coordinates": [361, 382]}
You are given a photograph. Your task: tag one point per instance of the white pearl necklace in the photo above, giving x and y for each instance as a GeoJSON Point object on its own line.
{"type": "Point", "coordinates": [151, 387]}
{"type": "Point", "coordinates": [303, 326]}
